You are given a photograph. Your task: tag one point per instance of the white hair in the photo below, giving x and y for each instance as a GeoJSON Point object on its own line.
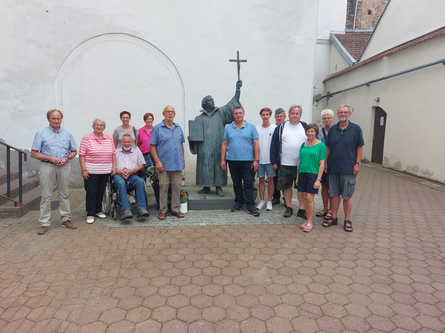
{"type": "Point", "coordinates": [327, 111]}
{"type": "Point", "coordinates": [100, 119]}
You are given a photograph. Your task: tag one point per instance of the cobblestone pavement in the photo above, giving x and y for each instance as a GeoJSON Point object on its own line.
{"type": "Point", "coordinates": [232, 275]}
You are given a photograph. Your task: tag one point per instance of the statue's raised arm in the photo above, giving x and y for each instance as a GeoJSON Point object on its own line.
{"type": "Point", "coordinates": [239, 84]}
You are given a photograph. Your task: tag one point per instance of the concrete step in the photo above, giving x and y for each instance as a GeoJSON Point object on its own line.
{"type": "Point", "coordinates": [27, 185]}
{"type": "Point", "coordinates": [3, 179]}
{"type": "Point", "coordinates": [31, 200]}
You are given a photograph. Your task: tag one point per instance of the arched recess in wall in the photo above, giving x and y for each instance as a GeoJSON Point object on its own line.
{"type": "Point", "coordinates": [113, 72]}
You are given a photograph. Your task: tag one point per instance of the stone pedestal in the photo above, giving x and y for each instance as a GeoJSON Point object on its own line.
{"type": "Point", "coordinates": [210, 200]}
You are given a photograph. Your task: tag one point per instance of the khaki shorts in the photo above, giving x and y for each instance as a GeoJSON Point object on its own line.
{"type": "Point", "coordinates": [286, 177]}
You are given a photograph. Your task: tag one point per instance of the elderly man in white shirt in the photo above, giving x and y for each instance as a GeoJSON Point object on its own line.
{"type": "Point", "coordinates": [129, 162]}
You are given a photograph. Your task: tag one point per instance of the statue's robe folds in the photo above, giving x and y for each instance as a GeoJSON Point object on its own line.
{"type": "Point", "coordinates": [208, 166]}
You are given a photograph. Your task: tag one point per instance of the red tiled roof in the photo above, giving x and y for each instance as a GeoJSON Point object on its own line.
{"type": "Point", "coordinates": [418, 40]}
{"type": "Point", "coordinates": [354, 42]}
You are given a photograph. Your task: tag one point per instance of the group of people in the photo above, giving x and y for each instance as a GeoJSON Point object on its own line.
{"type": "Point", "coordinates": [101, 157]}
{"type": "Point", "coordinates": [290, 153]}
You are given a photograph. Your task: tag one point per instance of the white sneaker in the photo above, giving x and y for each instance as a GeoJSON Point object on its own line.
{"type": "Point", "coordinates": [269, 206]}
{"type": "Point", "coordinates": [261, 204]}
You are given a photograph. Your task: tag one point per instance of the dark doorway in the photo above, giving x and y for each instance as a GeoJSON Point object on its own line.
{"type": "Point", "coordinates": [378, 139]}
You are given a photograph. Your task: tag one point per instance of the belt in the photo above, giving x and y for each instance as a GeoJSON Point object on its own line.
{"type": "Point", "coordinates": [48, 162]}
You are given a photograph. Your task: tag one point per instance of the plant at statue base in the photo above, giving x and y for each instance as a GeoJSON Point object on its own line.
{"type": "Point", "coordinates": [183, 196]}
{"type": "Point", "coordinates": [152, 174]}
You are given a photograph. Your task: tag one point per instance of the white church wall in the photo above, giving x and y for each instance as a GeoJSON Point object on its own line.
{"type": "Point", "coordinates": [331, 17]}
{"type": "Point", "coordinates": [101, 57]}
{"type": "Point", "coordinates": [413, 105]}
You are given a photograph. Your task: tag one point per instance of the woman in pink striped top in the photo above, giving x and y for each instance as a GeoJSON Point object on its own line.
{"type": "Point", "coordinates": [97, 157]}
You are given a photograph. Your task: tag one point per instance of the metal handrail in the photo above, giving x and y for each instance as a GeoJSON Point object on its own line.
{"type": "Point", "coordinates": [8, 172]}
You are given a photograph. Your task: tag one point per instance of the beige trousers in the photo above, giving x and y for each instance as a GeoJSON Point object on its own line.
{"type": "Point", "coordinates": [54, 177]}
{"type": "Point", "coordinates": [165, 179]}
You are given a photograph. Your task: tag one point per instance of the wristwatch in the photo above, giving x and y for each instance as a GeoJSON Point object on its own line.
{"type": "Point", "coordinates": [258, 161]}
{"type": "Point", "coordinates": [358, 163]}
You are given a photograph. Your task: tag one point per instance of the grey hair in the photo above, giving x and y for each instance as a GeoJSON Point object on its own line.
{"type": "Point", "coordinates": [102, 120]}
{"type": "Point", "coordinates": [327, 111]}
{"type": "Point", "coordinates": [293, 106]}
{"type": "Point", "coordinates": [345, 106]}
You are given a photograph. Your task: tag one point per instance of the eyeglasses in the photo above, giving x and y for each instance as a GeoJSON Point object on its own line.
{"type": "Point", "coordinates": [99, 125]}
{"type": "Point", "coordinates": [326, 118]}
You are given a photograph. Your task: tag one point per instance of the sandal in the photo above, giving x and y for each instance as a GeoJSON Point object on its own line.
{"type": "Point", "coordinates": [328, 215]}
{"type": "Point", "coordinates": [303, 225]}
{"type": "Point", "coordinates": [302, 213]}
{"type": "Point", "coordinates": [308, 228]}
{"type": "Point", "coordinates": [321, 213]}
{"type": "Point", "coordinates": [178, 214]}
{"type": "Point", "coordinates": [347, 226]}
{"type": "Point", "coordinates": [330, 222]}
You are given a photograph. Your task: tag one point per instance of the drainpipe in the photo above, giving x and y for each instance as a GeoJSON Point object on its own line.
{"type": "Point", "coordinates": [355, 13]}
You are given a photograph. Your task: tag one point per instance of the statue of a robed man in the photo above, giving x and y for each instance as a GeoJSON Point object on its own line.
{"type": "Point", "coordinates": [205, 140]}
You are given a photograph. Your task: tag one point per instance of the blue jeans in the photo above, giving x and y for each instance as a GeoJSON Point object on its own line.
{"type": "Point", "coordinates": [242, 178]}
{"type": "Point", "coordinates": [138, 183]}
{"type": "Point", "coordinates": [148, 160]}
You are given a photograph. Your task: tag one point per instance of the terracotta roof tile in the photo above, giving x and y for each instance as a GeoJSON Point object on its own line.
{"type": "Point", "coordinates": [354, 42]}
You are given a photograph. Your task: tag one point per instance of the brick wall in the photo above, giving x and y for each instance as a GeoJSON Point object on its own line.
{"type": "Point", "coordinates": [368, 13]}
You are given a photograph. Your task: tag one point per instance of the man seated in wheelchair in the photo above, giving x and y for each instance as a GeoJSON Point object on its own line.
{"type": "Point", "coordinates": [129, 162]}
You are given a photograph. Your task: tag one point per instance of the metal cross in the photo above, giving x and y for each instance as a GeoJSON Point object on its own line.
{"type": "Point", "coordinates": [238, 61]}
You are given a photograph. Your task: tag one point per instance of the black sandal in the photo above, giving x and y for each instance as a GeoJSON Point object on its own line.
{"type": "Point", "coordinates": [321, 213]}
{"type": "Point", "coordinates": [347, 226]}
{"type": "Point", "coordinates": [330, 222]}
{"type": "Point", "coordinates": [302, 213]}
{"type": "Point", "coordinates": [328, 215]}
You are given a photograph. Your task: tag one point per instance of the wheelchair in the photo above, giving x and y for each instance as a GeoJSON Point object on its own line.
{"type": "Point", "coordinates": [111, 204]}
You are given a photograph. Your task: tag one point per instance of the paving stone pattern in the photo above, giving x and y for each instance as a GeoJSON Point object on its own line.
{"type": "Point", "coordinates": [235, 276]}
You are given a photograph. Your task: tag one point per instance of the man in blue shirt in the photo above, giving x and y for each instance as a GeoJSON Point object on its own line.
{"type": "Point", "coordinates": [344, 152]}
{"type": "Point", "coordinates": [167, 150]}
{"type": "Point", "coordinates": [240, 142]}
{"type": "Point", "coordinates": [54, 146]}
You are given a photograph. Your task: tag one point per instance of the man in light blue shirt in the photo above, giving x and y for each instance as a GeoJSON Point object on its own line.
{"type": "Point", "coordinates": [240, 142]}
{"type": "Point", "coordinates": [55, 147]}
{"type": "Point", "coordinates": [167, 150]}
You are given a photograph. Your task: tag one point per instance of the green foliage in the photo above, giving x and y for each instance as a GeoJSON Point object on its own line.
{"type": "Point", "coordinates": [152, 174]}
